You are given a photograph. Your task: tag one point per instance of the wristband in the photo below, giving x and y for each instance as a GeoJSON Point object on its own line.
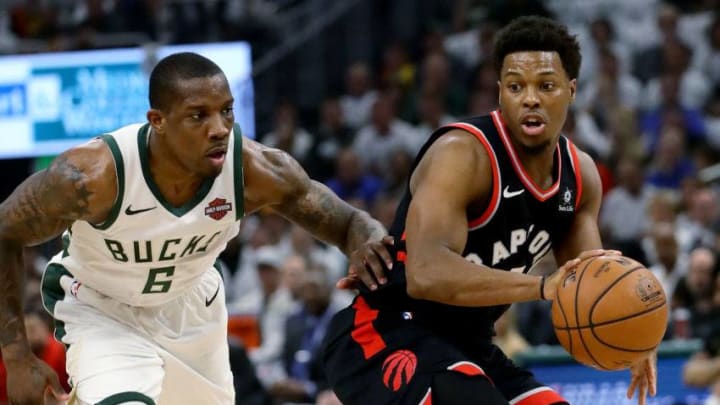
{"type": "Point", "coordinates": [542, 288]}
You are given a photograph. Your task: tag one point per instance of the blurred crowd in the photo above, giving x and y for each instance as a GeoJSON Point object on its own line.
{"type": "Point", "coordinates": [647, 110]}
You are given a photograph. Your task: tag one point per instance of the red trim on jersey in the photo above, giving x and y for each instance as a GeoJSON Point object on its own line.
{"type": "Point", "coordinates": [525, 178]}
{"type": "Point", "coordinates": [401, 256]}
{"type": "Point", "coordinates": [469, 368]}
{"type": "Point", "coordinates": [495, 196]}
{"type": "Point", "coordinates": [538, 396]}
{"type": "Point", "coordinates": [364, 333]}
{"type": "Point", "coordinates": [427, 399]}
{"type": "Point", "coordinates": [578, 173]}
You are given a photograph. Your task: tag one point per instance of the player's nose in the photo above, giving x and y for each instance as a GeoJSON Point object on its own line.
{"type": "Point", "coordinates": [217, 128]}
{"type": "Point", "coordinates": [530, 98]}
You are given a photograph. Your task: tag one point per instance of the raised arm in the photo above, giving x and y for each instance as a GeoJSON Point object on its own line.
{"type": "Point", "coordinates": [453, 175]}
{"type": "Point", "coordinates": [274, 179]}
{"type": "Point", "coordinates": [79, 185]}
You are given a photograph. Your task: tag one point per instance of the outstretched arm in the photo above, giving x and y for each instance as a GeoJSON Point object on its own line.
{"type": "Point", "coordinates": [276, 180]}
{"type": "Point", "coordinates": [40, 208]}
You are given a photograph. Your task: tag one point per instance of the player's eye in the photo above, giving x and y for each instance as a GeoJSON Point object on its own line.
{"type": "Point", "coordinates": [547, 86]}
{"type": "Point", "coordinates": [514, 87]}
{"type": "Point", "coordinates": [228, 112]}
{"type": "Point", "coordinates": [196, 116]}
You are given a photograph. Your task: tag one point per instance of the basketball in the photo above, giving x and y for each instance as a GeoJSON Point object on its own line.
{"type": "Point", "coordinates": [609, 312]}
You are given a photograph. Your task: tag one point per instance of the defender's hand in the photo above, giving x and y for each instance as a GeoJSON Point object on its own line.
{"type": "Point", "coordinates": [29, 381]}
{"type": "Point", "coordinates": [368, 264]}
{"type": "Point", "coordinates": [643, 377]}
{"type": "Point", "coordinates": [552, 281]}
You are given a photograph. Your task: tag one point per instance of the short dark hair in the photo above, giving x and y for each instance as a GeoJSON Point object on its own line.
{"type": "Point", "coordinates": [533, 33]}
{"type": "Point", "coordinates": [174, 68]}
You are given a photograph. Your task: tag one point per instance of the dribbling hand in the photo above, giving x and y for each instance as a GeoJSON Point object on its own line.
{"type": "Point", "coordinates": [643, 378]}
{"type": "Point", "coordinates": [32, 382]}
{"type": "Point", "coordinates": [368, 265]}
{"type": "Point", "coordinates": [552, 281]}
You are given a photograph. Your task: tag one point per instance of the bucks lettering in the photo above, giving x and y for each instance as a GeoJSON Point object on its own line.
{"type": "Point", "coordinates": [171, 249]}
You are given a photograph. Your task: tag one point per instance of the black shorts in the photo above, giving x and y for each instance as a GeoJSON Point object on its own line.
{"type": "Point", "coordinates": [407, 363]}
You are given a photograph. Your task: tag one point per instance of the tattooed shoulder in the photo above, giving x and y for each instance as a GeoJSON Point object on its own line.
{"type": "Point", "coordinates": [77, 186]}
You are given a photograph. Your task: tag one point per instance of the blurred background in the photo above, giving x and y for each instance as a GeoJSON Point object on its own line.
{"type": "Point", "coordinates": [352, 88]}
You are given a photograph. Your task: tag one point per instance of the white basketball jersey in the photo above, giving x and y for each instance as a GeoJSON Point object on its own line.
{"type": "Point", "coordinates": [148, 251]}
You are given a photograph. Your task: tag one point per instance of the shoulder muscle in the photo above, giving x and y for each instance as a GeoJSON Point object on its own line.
{"type": "Point", "coordinates": [271, 176]}
{"type": "Point", "coordinates": [80, 184]}
{"type": "Point", "coordinates": [456, 163]}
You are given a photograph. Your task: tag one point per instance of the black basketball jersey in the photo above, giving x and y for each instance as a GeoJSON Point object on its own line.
{"type": "Point", "coordinates": [512, 232]}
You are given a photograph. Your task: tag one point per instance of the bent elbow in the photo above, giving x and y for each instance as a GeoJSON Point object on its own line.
{"type": "Point", "coordinates": [419, 285]}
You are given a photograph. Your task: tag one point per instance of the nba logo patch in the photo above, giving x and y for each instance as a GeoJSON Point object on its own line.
{"type": "Point", "coordinates": [74, 288]}
{"type": "Point", "coordinates": [218, 208]}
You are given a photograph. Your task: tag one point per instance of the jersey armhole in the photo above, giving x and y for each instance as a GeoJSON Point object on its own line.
{"type": "Point", "coordinates": [238, 175]}
{"type": "Point", "coordinates": [120, 174]}
{"type": "Point", "coordinates": [494, 202]}
{"type": "Point", "coordinates": [577, 169]}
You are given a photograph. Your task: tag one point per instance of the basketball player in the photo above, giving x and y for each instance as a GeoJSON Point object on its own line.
{"type": "Point", "coordinates": [487, 198]}
{"type": "Point", "coordinates": [147, 209]}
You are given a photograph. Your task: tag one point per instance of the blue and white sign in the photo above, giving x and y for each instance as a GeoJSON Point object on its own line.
{"type": "Point", "coordinates": [53, 101]}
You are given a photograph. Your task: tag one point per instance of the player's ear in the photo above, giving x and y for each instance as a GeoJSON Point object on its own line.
{"type": "Point", "coordinates": [156, 118]}
{"type": "Point", "coordinates": [573, 89]}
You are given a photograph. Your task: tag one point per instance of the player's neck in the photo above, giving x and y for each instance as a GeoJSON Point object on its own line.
{"type": "Point", "coordinates": [539, 164]}
{"type": "Point", "coordinates": [176, 183]}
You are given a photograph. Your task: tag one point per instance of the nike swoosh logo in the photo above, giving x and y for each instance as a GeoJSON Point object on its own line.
{"type": "Point", "coordinates": [130, 211]}
{"type": "Point", "coordinates": [510, 194]}
{"type": "Point", "coordinates": [210, 301]}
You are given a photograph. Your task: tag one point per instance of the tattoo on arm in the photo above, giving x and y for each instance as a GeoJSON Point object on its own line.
{"type": "Point", "coordinates": [40, 208]}
{"type": "Point", "coordinates": [327, 217]}
{"type": "Point", "coordinates": [12, 327]}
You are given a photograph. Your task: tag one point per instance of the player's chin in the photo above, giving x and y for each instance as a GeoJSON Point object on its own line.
{"type": "Point", "coordinates": [210, 170]}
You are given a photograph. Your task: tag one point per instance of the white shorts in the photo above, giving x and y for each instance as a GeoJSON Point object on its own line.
{"type": "Point", "coordinates": [175, 353]}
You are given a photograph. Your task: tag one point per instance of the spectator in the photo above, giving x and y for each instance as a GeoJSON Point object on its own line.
{"type": "Point", "coordinates": [287, 134]}
{"type": "Point", "coordinates": [350, 182]}
{"type": "Point", "coordinates": [432, 115]}
{"type": "Point", "coordinates": [304, 332]}
{"type": "Point", "coordinates": [359, 98]}
{"type": "Point", "coordinates": [707, 55]}
{"type": "Point", "coordinates": [670, 112]}
{"type": "Point", "coordinates": [274, 306]}
{"type": "Point", "coordinates": [693, 86]}
{"type": "Point", "coordinates": [622, 218]}
{"type": "Point", "coordinates": [332, 136]}
{"type": "Point", "coordinates": [386, 133]}
{"type": "Point", "coordinates": [610, 89]}
{"type": "Point", "coordinates": [670, 166]}
{"type": "Point", "coordinates": [648, 62]}
{"type": "Point", "coordinates": [699, 225]}
{"type": "Point", "coordinates": [670, 264]}
{"type": "Point", "coordinates": [694, 291]}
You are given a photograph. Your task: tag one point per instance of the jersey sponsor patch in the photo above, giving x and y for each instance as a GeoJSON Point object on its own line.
{"type": "Point", "coordinates": [567, 201]}
{"type": "Point", "coordinates": [218, 208]}
{"type": "Point", "coordinates": [398, 369]}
